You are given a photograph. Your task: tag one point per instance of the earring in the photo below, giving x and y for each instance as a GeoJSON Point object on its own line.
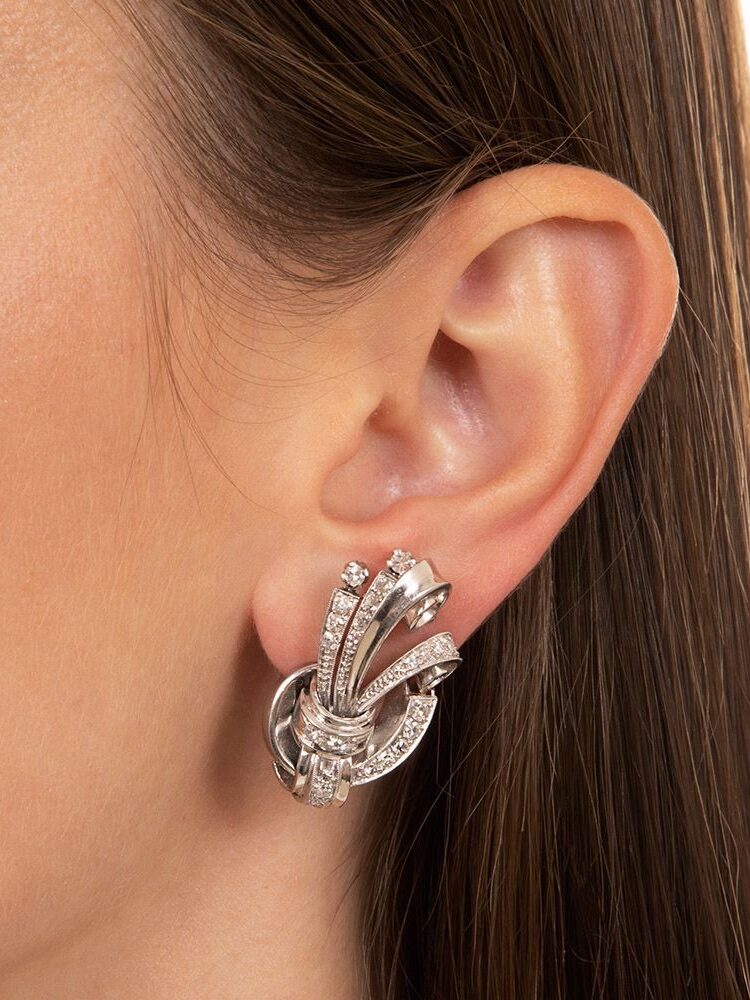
{"type": "Point", "coordinates": [330, 726]}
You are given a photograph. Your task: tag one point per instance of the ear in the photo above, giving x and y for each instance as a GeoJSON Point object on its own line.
{"type": "Point", "coordinates": [495, 366]}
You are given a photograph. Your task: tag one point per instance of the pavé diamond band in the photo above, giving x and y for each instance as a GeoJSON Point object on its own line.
{"type": "Point", "coordinates": [330, 725]}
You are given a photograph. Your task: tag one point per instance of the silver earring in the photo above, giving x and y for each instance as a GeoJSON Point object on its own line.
{"type": "Point", "coordinates": [327, 730]}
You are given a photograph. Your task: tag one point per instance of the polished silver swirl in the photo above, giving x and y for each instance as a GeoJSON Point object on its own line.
{"type": "Point", "coordinates": [327, 728]}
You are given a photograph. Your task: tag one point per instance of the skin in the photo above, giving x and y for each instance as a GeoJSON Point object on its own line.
{"type": "Point", "coordinates": [154, 590]}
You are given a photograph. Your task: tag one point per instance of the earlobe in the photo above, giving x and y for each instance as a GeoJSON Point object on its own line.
{"type": "Point", "coordinates": [548, 296]}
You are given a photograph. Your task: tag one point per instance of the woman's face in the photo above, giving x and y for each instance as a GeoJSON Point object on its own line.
{"type": "Point", "coordinates": [127, 554]}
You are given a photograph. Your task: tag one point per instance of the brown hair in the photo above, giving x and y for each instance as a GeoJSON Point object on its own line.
{"type": "Point", "coordinates": [584, 831]}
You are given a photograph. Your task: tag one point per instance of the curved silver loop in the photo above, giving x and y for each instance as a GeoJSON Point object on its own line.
{"type": "Point", "coordinates": [428, 663]}
{"type": "Point", "coordinates": [325, 732]}
{"type": "Point", "coordinates": [409, 593]}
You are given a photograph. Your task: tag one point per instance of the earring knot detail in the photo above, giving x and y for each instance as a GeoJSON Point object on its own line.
{"type": "Point", "coordinates": [330, 725]}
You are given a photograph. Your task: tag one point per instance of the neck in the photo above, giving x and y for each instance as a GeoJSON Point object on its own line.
{"type": "Point", "coordinates": [255, 900]}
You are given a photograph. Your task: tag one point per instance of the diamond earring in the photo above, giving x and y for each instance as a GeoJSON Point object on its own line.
{"type": "Point", "coordinates": [328, 729]}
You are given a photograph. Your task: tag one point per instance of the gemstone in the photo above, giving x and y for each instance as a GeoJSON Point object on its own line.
{"type": "Point", "coordinates": [354, 574]}
{"type": "Point", "coordinates": [364, 614]}
{"type": "Point", "coordinates": [400, 561]}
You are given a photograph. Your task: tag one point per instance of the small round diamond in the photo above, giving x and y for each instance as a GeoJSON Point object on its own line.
{"type": "Point", "coordinates": [400, 561]}
{"type": "Point", "coordinates": [355, 573]}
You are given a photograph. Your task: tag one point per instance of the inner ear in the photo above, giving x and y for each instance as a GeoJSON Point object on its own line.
{"type": "Point", "coordinates": [448, 444]}
{"type": "Point", "coordinates": [459, 395]}
{"type": "Point", "coordinates": [452, 382]}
